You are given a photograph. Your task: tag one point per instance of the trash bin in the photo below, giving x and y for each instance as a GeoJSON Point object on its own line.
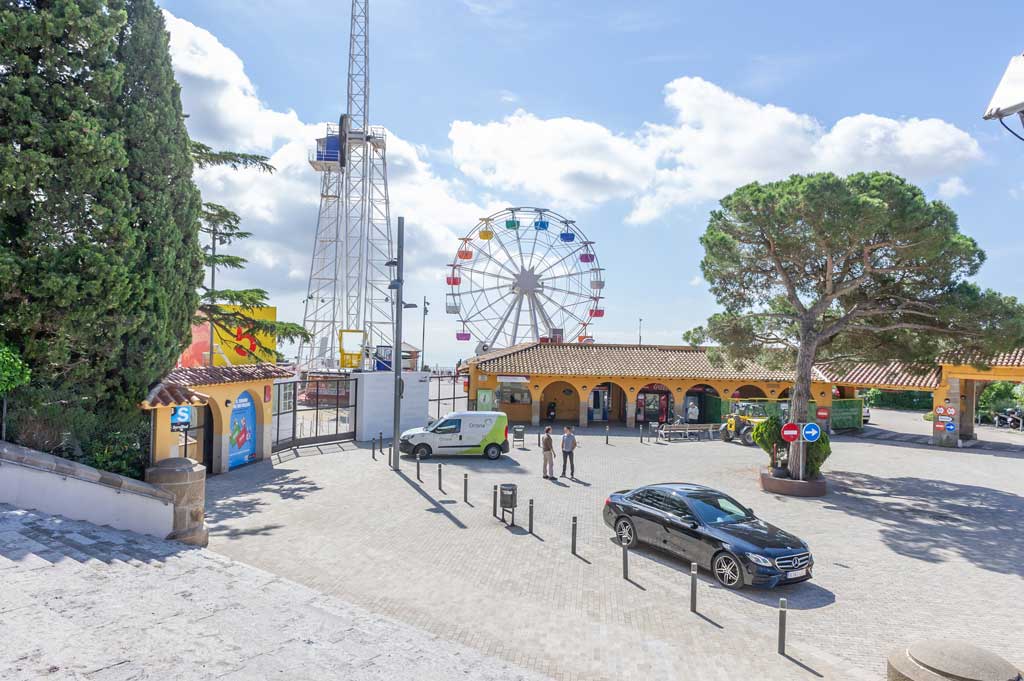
{"type": "Point", "coordinates": [509, 493]}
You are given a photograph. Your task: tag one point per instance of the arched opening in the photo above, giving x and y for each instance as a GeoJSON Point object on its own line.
{"type": "Point", "coordinates": [562, 400]}
{"type": "Point", "coordinates": [785, 394]}
{"type": "Point", "coordinates": [748, 392]}
{"type": "Point", "coordinates": [606, 403]}
{"type": "Point", "coordinates": [655, 404]}
{"type": "Point", "coordinates": [701, 404]}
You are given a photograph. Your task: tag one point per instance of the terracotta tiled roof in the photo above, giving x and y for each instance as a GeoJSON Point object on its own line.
{"type": "Point", "coordinates": [619, 360]}
{"type": "Point", "coordinates": [1013, 358]}
{"type": "Point", "coordinates": [891, 374]}
{"type": "Point", "coordinates": [235, 374]}
{"type": "Point", "coordinates": [166, 394]}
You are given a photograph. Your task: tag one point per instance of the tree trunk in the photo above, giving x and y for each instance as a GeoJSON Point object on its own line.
{"type": "Point", "coordinates": [799, 403]}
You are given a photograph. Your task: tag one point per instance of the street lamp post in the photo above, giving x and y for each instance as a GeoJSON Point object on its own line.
{"type": "Point", "coordinates": [423, 339]}
{"type": "Point", "coordinates": [396, 351]}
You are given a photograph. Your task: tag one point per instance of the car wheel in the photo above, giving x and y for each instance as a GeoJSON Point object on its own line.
{"type": "Point", "coordinates": [727, 570]}
{"type": "Point", "coordinates": [422, 451]}
{"type": "Point", "coordinates": [492, 452]}
{"type": "Point", "coordinates": [625, 532]}
{"type": "Point", "coordinates": [747, 436]}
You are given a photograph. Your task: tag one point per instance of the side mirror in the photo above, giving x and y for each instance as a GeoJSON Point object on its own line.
{"type": "Point", "coordinates": [693, 524]}
{"type": "Point", "coordinates": [750, 512]}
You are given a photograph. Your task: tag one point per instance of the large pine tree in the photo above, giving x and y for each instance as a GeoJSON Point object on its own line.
{"type": "Point", "coordinates": [168, 263]}
{"type": "Point", "coordinates": [67, 239]}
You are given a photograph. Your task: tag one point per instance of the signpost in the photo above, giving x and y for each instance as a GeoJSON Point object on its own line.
{"type": "Point", "coordinates": [181, 419]}
{"type": "Point", "coordinates": [822, 413]}
{"type": "Point", "coordinates": [790, 432]}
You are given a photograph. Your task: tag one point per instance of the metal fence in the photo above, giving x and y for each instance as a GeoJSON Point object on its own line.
{"type": "Point", "coordinates": [312, 411]}
{"type": "Point", "coordinates": [447, 393]}
{"type": "Point", "coordinates": [845, 414]}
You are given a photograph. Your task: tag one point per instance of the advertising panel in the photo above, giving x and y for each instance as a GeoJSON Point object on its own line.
{"type": "Point", "coordinates": [234, 346]}
{"type": "Point", "coordinates": [242, 431]}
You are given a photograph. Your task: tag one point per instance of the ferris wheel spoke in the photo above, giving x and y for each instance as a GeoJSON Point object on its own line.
{"type": "Point", "coordinates": [533, 317]}
{"type": "Point", "coordinates": [561, 260]}
{"type": "Point", "coordinates": [508, 253]}
{"type": "Point", "coordinates": [485, 273]}
{"type": "Point", "coordinates": [564, 309]}
{"type": "Point", "coordinates": [498, 262]}
{"type": "Point", "coordinates": [515, 323]}
{"type": "Point", "coordinates": [552, 243]}
{"type": "Point", "coordinates": [543, 313]}
{"type": "Point", "coordinates": [501, 324]}
{"type": "Point", "coordinates": [571, 293]}
{"type": "Point", "coordinates": [478, 312]}
{"type": "Point", "coordinates": [483, 290]}
{"type": "Point", "coordinates": [564, 276]}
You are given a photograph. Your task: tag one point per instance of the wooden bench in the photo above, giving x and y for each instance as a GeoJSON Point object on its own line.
{"type": "Point", "coordinates": [687, 430]}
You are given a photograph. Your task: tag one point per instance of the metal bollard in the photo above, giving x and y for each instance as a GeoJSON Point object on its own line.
{"type": "Point", "coordinates": [465, 487]}
{"type": "Point", "coordinates": [373, 449]}
{"type": "Point", "coordinates": [418, 478]}
{"type": "Point", "coordinates": [782, 626]}
{"type": "Point", "coordinates": [382, 444]}
{"type": "Point", "coordinates": [693, 587]}
{"type": "Point", "coordinates": [625, 561]}
{"type": "Point", "coordinates": [495, 511]}
{"type": "Point", "coordinates": [538, 438]}
{"type": "Point", "coordinates": [606, 434]}
{"type": "Point", "coordinates": [439, 486]}
{"type": "Point", "coordinates": [574, 535]}
{"type": "Point", "coordinates": [531, 516]}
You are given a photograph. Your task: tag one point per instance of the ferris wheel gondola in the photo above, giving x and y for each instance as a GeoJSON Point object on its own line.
{"type": "Point", "coordinates": [524, 274]}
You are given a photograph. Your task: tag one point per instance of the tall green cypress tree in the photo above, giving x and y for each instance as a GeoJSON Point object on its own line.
{"type": "Point", "coordinates": [67, 241]}
{"type": "Point", "coordinates": [167, 268]}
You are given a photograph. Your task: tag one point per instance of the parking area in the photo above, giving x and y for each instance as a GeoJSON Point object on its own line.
{"type": "Point", "coordinates": [910, 543]}
{"type": "Point", "coordinates": [910, 427]}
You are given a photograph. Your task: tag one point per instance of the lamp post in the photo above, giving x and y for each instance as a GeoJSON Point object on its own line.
{"type": "Point", "coordinates": [423, 331]}
{"type": "Point", "coordinates": [640, 332]}
{"type": "Point", "coordinates": [396, 351]}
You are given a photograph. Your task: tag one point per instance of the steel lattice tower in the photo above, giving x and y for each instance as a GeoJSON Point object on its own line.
{"type": "Point", "coordinates": [349, 277]}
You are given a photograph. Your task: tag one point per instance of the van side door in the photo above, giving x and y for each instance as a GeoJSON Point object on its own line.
{"type": "Point", "coordinates": [448, 436]}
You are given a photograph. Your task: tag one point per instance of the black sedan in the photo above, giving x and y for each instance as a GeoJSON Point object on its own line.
{"type": "Point", "coordinates": [706, 526]}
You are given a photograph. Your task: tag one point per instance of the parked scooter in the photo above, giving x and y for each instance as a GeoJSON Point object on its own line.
{"type": "Point", "coordinates": [551, 412]}
{"type": "Point", "coordinates": [1009, 418]}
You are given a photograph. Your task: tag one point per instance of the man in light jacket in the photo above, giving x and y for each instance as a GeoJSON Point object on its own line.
{"type": "Point", "coordinates": [569, 445]}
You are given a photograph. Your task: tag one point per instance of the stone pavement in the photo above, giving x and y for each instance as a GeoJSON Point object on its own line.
{"type": "Point", "coordinates": [79, 601]}
{"type": "Point", "coordinates": [908, 427]}
{"type": "Point", "coordinates": [344, 524]}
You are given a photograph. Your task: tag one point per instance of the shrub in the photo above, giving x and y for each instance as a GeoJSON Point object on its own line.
{"type": "Point", "coordinates": [768, 434]}
{"type": "Point", "coordinates": [817, 453]}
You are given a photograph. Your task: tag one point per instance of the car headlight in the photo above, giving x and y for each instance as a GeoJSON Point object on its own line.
{"type": "Point", "coordinates": [757, 559]}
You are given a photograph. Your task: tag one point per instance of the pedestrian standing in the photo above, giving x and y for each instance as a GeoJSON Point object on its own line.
{"type": "Point", "coordinates": [569, 445]}
{"type": "Point", "coordinates": [693, 413]}
{"type": "Point", "coordinates": [548, 450]}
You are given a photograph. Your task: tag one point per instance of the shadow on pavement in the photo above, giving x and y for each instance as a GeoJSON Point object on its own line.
{"type": "Point", "coordinates": [435, 506]}
{"type": "Point", "coordinates": [228, 497]}
{"type": "Point", "coordinates": [924, 518]}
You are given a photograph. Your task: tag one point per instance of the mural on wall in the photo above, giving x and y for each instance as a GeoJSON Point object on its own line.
{"type": "Point", "coordinates": [234, 346]}
{"type": "Point", "coordinates": [242, 431]}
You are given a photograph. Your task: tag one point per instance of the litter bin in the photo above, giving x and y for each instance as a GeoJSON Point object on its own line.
{"type": "Point", "coordinates": [509, 493]}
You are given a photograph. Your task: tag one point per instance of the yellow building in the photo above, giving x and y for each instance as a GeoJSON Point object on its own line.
{"type": "Point", "coordinates": [218, 416]}
{"type": "Point", "coordinates": [627, 384]}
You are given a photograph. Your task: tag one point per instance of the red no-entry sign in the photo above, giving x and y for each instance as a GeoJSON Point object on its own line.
{"type": "Point", "coordinates": [822, 413]}
{"type": "Point", "coordinates": [791, 432]}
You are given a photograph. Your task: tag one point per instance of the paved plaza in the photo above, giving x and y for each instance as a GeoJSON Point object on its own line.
{"type": "Point", "coordinates": [81, 602]}
{"type": "Point", "coordinates": [910, 543]}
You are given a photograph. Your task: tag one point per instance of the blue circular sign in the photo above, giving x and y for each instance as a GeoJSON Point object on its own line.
{"type": "Point", "coordinates": [811, 431]}
{"type": "Point", "coordinates": [950, 427]}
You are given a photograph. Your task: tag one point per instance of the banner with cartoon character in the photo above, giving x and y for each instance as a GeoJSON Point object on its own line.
{"type": "Point", "coordinates": [242, 431]}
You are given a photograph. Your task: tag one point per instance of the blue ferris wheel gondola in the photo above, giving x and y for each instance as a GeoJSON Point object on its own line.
{"type": "Point", "coordinates": [567, 236]}
{"type": "Point", "coordinates": [540, 225]}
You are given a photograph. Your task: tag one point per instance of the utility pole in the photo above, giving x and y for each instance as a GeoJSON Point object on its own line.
{"type": "Point", "coordinates": [396, 352]}
{"type": "Point", "coordinates": [423, 340]}
{"type": "Point", "coordinates": [213, 289]}
{"type": "Point", "coordinates": [640, 333]}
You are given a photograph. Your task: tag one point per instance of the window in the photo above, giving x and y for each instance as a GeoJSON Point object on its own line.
{"type": "Point", "coordinates": [513, 393]}
{"type": "Point", "coordinates": [717, 508]}
{"type": "Point", "coordinates": [448, 427]}
{"type": "Point", "coordinates": [678, 507]}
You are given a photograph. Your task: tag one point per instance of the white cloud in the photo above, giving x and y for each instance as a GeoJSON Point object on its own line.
{"type": "Point", "coordinates": [573, 162]}
{"type": "Point", "coordinates": [697, 280]}
{"type": "Point", "coordinates": [717, 142]}
{"type": "Point", "coordinates": [508, 96]}
{"type": "Point", "coordinates": [952, 188]}
{"type": "Point", "coordinates": [281, 209]}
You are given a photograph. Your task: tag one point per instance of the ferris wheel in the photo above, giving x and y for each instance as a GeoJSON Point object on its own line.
{"type": "Point", "coordinates": [524, 274]}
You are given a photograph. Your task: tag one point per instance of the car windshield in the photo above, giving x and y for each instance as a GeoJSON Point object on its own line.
{"type": "Point", "coordinates": [716, 509]}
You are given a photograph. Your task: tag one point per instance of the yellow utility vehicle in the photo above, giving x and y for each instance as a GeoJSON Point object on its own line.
{"type": "Point", "coordinates": [739, 425]}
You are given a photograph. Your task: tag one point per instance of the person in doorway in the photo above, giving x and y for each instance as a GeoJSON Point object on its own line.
{"type": "Point", "coordinates": [569, 445]}
{"type": "Point", "coordinates": [548, 450]}
{"type": "Point", "coordinates": [693, 413]}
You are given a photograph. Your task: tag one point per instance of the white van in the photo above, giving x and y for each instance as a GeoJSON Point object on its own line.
{"type": "Point", "coordinates": [460, 432]}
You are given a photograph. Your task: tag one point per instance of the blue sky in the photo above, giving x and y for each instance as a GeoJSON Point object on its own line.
{"type": "Point", "coordinates": [632, 121]}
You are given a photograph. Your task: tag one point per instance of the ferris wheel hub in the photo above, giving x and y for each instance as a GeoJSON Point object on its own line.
{"type": "Point", "coordinates": [526, 282]}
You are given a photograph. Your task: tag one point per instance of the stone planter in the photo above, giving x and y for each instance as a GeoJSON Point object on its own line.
{"type": "Point", "coordinates": [793, 488]}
